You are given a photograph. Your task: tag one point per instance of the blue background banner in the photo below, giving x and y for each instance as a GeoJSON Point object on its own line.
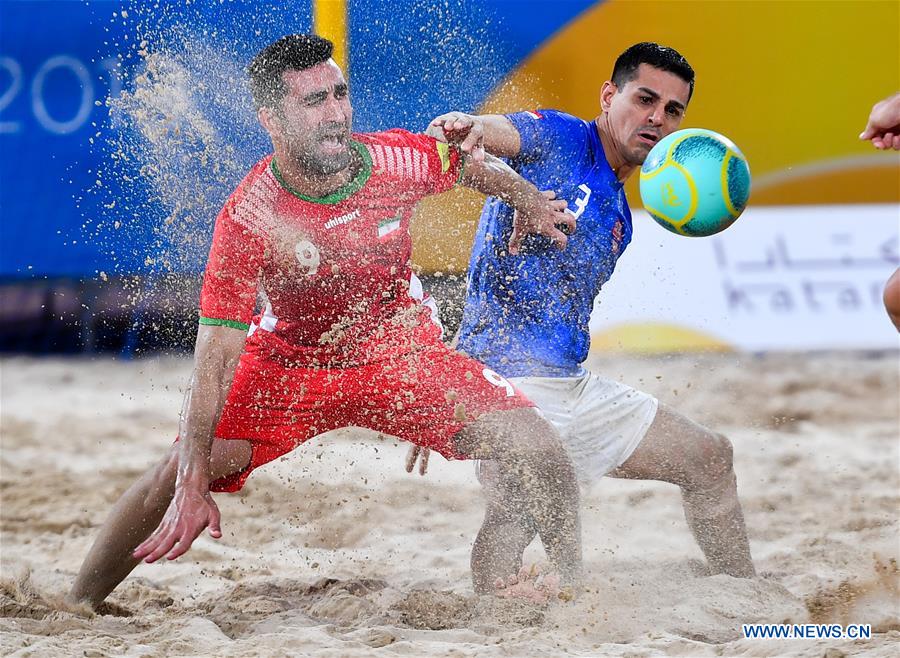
{"type": "Point", "coordinates": [133, 188]}
{"type": "Point", "coordinates": [74, 204]}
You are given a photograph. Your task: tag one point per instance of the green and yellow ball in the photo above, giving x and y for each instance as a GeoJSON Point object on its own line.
{"type": "Point", "coordinates": [695, 182]}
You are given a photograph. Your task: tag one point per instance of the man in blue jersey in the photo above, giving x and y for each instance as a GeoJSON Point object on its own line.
{"type": "Point", "coordinates": [526, 315]}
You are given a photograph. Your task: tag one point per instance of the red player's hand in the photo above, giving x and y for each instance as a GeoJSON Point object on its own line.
{"type": "Point", "coordinates": [190, 511]}
{"type": "Point", "coordinates": [550, 219]}
{"type": "Point", "coordinates": [464, 130]}
{"type": "Point", "coordinates": [420, 453]}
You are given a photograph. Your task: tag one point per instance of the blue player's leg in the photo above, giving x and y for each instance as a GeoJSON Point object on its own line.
{"type": "Point", "coordinates": [698, 460]}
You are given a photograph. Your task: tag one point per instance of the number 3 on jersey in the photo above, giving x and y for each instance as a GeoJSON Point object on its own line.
{"type": "Point", "coordinates": [580, 202]}
{"type": "Point", "coordinates": [308, 256]}
{"type": "Point", "coordinates": [497, 380]}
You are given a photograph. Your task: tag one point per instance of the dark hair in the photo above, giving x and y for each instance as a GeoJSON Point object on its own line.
{"type": "Point", "coordinates": [295, 52]}
{"type": "Point", "coordinates": [655, 55]}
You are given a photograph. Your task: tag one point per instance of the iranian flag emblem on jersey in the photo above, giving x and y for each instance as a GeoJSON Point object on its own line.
{"type": "Point", "coordinates": [390, 224]}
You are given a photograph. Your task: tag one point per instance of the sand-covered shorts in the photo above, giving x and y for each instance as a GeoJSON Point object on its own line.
{"type": "Point", "coordinates": [424, 395]}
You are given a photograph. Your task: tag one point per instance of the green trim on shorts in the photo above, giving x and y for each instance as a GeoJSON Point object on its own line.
{"type": "Point", "coordinates": [216, 322]}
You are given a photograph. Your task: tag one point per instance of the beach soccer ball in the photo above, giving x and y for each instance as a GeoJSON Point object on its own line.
{"type": "Point", "coordinates": [695, 182]}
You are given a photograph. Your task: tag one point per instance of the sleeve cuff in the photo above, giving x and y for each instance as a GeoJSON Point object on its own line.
{"type": "Point", "coordinates": [216, 322]}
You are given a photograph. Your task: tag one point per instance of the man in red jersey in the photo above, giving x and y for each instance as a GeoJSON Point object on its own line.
{"type": "Point", "coordinates": [319, 232]}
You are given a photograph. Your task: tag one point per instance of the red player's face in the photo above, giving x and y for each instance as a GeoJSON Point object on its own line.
{"type": "Point", "coordinates": [644, 110]}
{"type": "Point", "coordinates": [314, 119]}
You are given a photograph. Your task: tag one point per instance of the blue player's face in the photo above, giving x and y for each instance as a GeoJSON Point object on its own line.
{"type": "Point", "coordinates": [644, 110]}
{"type": "Point", "coordinates": [313, 122]}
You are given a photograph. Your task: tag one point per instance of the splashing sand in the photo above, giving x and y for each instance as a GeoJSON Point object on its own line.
{"type": "Point", "coordinates": [335, 549]}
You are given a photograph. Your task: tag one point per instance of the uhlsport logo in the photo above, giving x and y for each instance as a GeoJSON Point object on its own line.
{"type": "Point", "coordinates": [342, 219]}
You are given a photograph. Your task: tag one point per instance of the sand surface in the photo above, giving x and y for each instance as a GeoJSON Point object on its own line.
{"type": "Point", "coordinates": [336, 551]}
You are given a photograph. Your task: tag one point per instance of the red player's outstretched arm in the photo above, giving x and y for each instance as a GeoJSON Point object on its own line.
{"type": "Point", "coordinates": [216, 356]}
{"type": "Point", "coordinates": [475, 134]}
{"type": "Point", "coordinates": [535, 212]}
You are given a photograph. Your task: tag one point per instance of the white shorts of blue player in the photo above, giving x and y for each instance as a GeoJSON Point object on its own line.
{"type": "Point", "coordinates": [601, 421]}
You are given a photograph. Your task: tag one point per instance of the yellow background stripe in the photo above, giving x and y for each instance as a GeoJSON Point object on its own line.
{"type": "Point", "coordinates": [330, 21]}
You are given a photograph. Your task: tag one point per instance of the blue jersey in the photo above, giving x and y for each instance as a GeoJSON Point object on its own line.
{"type": "Point", "coordinates": [528, 315]}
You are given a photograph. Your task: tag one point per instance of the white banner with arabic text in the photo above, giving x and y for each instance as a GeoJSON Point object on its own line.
{"type": "Point", "coordinates": [781, 278]}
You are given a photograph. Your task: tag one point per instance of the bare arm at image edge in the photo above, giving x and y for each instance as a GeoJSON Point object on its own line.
{"type": "Point", "coordinates": [883, 127]}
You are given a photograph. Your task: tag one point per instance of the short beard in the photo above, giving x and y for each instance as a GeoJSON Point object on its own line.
{"type": "Point", "coordinates": [324, 166]}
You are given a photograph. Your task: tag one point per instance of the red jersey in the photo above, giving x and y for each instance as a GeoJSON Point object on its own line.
{"type": "Point", "coordinates": [334, 272]}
